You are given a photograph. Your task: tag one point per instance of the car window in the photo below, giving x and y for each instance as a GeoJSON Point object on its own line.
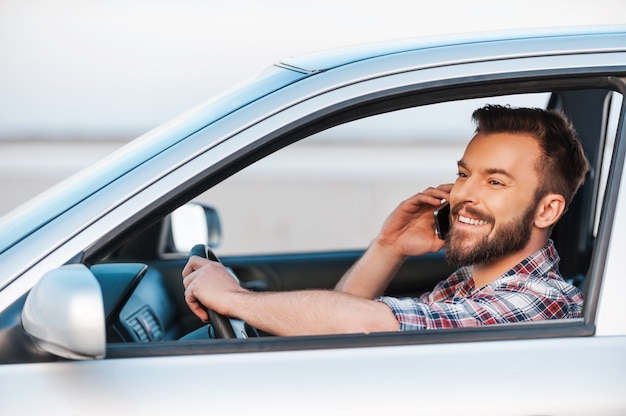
{"type": "Point", "coordinates": [333, 190]}
{"type": "Point", "coordinates": [325, 197]}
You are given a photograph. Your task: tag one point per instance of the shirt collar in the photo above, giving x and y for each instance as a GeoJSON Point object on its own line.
{"type": "Point", "coordinates": [539, 263]}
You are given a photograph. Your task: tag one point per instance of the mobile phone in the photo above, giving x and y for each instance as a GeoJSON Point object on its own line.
{"type": "Point", "coordinates": [442, 220]}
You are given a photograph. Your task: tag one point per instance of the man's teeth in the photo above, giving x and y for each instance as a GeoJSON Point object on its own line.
{"type": "Point", "coordinates": [471, 221]}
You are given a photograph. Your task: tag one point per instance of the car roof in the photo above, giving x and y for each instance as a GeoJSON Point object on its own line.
{"type": "Point", "coordinates": [326, 60]}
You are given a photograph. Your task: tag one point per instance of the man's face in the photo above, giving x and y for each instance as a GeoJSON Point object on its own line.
{"type": "Point", "coordinates": [493, 199]}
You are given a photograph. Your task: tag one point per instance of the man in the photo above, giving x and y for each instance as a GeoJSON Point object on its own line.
{"type": "Point", "coordinates": [516, 178]}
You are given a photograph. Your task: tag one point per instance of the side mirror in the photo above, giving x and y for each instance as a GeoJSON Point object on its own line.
{"type": "Point", "coordinates": [192, 224]}
{"type": "Point", "coordinates": [64, 314]}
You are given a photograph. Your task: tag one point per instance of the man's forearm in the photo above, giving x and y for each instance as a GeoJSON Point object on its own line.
{"type": "Point", "coordinates": [371, 274]}
{"type": "Point", "coordinates": [312, 312]}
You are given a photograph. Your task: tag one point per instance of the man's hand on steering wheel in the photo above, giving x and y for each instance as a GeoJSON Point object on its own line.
{"type": "Point", "coordinates": [207, 286]}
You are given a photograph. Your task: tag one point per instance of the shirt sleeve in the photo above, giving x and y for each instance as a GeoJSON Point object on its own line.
{"type": "Point", "coordinates": [415, 314]}
{"type": "Point", "coordinates": [514, 304]}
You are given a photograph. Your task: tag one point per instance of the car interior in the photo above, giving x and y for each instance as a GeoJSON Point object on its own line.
{"type": "Point", "coordinates": [310, 230]}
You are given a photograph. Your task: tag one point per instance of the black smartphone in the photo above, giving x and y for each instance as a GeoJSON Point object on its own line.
{"type": "Point", "coordinates": [442, 220]}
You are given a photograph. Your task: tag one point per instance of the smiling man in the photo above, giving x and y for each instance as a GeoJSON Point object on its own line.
{"type": "Point", "coordinates": [516, 178]}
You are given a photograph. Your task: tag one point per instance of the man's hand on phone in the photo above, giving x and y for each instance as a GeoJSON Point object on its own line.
{"type": "Point", "coordinates": [410, 229]}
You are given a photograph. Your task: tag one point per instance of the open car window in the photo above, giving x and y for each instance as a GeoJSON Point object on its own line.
{"type": "Point", "coordinates": [333, 190]}
{"type": "Point", "coordinates": [299, 217]}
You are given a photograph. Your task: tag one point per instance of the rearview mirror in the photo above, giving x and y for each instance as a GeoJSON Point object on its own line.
{"type": "Point", "coordinates": [64, 314]}
{"type": "Point", "coordinates": [192, 224]}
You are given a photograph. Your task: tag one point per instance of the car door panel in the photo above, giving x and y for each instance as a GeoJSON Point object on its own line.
{"type": "Point", "coordinates": [332, 381]}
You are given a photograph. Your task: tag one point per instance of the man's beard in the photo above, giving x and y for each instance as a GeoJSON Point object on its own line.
{"type": "Point", "coordinates": [508, 239]}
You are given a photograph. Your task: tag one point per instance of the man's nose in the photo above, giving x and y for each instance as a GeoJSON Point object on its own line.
{"type": "Point", "coordinates": [466, 191]}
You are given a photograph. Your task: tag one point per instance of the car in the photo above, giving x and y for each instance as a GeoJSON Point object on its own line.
{"type": "Point", "coordinates": [287, 178]}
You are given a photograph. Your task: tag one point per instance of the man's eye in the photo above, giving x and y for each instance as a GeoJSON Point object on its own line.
{"type": "Point", "coordinates": [461, 175]}
{"type": "Point", "coordinates": [495, 182]}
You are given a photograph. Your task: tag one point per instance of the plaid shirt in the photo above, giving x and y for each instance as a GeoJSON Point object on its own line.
{"type": "Point", "coordinates": [533, 290]}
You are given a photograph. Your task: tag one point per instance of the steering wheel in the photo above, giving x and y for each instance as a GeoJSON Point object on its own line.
{"type": "Point", "coordinates": [220, 323]}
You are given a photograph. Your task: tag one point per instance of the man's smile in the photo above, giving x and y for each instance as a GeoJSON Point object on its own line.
{"type": "Point", "coordinates": [467, 216]}
{"type": "Point", "coordinates": [471, 221]}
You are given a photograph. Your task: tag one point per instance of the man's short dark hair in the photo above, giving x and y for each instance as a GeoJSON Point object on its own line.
{"type": "Point", "coordinates": [563, 166]}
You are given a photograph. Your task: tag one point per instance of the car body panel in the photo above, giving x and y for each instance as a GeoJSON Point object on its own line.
{"type": "Point", "coordinates": [324, 382]}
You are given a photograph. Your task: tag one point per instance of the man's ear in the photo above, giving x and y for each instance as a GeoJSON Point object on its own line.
{"type": "Point", "coordinates": [549, 210]}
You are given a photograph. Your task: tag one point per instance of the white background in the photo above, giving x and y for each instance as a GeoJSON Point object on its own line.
{"type": "Point", "coordinates": [94, 69]}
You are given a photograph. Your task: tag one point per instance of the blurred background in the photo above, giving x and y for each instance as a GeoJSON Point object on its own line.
{"type": "Point", "coordinates": [80, 78]}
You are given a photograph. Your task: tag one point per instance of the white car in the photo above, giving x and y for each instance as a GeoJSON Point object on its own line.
{"type": "Point", "coordinates": [311, 156]}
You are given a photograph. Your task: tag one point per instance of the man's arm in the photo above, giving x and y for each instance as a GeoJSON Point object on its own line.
{"type": "Point", "coordinates": [282, 313]}
{"type": "Point", "coordinates": [371, 274]}
{"type": "Point", "coordinates": [408, 231]}
{"type": "Point", "coordinates": [313, 312]}
{"type": "Point", "coordinates": [525, 299]}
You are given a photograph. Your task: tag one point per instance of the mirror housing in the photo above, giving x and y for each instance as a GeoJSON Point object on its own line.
{"type": "Point", "coordinates": [64, 314]}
